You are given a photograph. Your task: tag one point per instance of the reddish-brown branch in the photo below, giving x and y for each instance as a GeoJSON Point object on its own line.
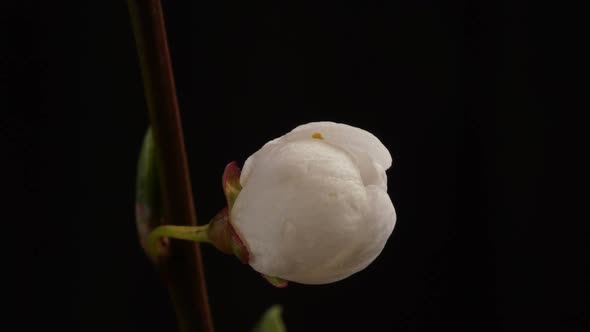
{"type": "Point", "coordinates": [182, 270]}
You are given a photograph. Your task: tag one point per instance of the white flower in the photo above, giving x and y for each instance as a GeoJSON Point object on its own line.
{"type": "Point", "coordinates": [314, 207]}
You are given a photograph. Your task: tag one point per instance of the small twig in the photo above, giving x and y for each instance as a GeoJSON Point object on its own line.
{"type": "Point", "coordinates": [182, 270]}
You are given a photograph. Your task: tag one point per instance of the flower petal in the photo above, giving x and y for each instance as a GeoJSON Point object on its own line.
{"type": "Point", "coordinates": [302, 204]}
{"type": "Point", "coordinates": [343, 135]}
{"type": "Point", "coordinates": [361, 144]}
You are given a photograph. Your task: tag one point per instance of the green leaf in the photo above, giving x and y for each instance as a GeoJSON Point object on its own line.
{"type": "Point", "coordinates": [148, 205]}
{"type": "Point", "coordinates": [271, 321]}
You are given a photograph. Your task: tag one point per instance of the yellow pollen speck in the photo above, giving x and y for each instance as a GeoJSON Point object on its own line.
{"type": "Point", "coordinates": [317, 136]}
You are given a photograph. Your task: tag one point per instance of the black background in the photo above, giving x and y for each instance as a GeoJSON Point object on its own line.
{"type": "Point", "coordinates": [455, 91]}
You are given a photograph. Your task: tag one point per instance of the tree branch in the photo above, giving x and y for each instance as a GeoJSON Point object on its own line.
{"type": "Point", "coordinates": [182, 270]}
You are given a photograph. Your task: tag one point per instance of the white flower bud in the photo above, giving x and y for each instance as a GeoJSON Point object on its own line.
{"type": "Point", "coordinates": [314, 207]}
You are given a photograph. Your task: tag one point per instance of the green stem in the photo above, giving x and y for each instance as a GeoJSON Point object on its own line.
{"type": "Point", "coordinates": [191, 233]}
